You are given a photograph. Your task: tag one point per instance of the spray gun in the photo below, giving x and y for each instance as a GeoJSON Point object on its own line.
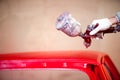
{"type": "Point", "coordinates": [67, 24]}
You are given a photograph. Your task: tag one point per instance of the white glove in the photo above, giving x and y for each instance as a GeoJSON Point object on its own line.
{"type": "Point", "coordinates": [103, 24]}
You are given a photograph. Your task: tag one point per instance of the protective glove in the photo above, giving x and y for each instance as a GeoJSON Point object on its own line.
{"type": "Point", "coordinates": [103, 24]}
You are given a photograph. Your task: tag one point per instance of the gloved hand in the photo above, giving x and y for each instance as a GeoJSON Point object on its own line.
{"type": "Point", "coordinates": [103, 24]}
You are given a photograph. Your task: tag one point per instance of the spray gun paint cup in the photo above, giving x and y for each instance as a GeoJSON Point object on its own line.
{"type": "Point", "coordinates": [67, 24]}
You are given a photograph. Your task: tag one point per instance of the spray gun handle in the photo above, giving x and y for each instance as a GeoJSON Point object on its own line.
{"type": "Point", "coordinates": [112, 29]}
{"type": "Point", "coordinates": [87, 37]}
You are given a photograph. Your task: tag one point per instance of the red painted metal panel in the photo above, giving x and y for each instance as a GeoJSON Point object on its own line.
{"type": "Point", "coordinates": [88, 61]}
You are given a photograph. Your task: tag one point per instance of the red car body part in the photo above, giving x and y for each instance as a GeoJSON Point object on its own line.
{"type": "Point", "coordinates": [97, 65]}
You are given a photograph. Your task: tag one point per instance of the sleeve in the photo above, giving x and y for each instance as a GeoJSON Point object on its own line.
{"type": "Point", "coordinates": [118, 16]}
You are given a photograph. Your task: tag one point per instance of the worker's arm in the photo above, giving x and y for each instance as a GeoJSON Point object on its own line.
{"type": "Point", "coordinates": [105, 23]}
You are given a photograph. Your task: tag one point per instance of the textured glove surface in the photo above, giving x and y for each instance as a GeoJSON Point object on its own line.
{"type": "Point", "coordinates": [103, 24]}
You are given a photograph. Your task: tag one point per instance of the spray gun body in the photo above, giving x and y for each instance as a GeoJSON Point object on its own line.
{"type": "Point", "coordinates": [67, 24]}
{"type": "Point", "coordinates": [87, 37]}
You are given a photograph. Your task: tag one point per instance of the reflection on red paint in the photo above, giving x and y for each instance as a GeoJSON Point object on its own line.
{"type": "Point", "coordinates": [96, 65]}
